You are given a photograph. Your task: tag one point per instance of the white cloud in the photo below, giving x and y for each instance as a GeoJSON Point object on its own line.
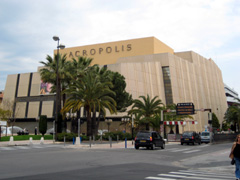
{"type": "Point", "coordinates": [206, 27]}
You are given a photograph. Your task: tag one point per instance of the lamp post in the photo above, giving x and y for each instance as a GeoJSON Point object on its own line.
{"type": "Point", "coordinates": [58, 88]}
{"type": "Point", "coordinates": [108, 121]}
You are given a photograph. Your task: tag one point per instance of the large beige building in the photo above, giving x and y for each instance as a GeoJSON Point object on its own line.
{"type": "Point", "coordinates": [149, 66]}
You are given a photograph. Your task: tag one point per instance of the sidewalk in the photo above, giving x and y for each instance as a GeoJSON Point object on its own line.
{"type": "Point", "coordinates": [84, 145]}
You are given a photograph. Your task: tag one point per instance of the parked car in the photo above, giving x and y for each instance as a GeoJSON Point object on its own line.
{"type": "Point", "coordinates": [190, 137]}
{"type": "Point", "coordinates": [206, 137]}
{"type": "Point", "coordinates": [50, 131]}
{"type": "Point", "coordinates": [149, 140]}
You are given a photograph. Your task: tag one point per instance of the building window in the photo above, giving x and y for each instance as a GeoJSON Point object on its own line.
{"type": "Point", "coordinates": [167, 85]}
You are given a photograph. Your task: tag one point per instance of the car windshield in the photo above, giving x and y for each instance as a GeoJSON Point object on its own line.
{"type": "Point", "coordinates": [205, 133]}
{"type": "Point", "coordinates": [187, 134]}
{"type": "Point", "coordinates": [143, 135]}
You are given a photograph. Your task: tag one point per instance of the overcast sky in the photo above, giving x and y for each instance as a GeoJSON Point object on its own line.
{"type": "Point", "coordinates": [211, 28]}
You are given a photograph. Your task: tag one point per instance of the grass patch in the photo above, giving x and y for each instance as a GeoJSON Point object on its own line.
{"type": "Point", "coordinates": [26, 137]}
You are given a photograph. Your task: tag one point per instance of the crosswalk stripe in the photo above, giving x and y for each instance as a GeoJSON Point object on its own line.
{"type": "Point", "coordinates": [192, 174]}
{"type": "Point", "coordinates": [21, 147]}
{"type": "Point", "coordinates": [7, 148]}
{"type": "Point", "coordinates": [178, 150]}
{"type": "Point", "coordinates": [201, 175]}
{"type": "Point", "coordinates": [209, 173]}
{"type": "Point", "coordinates": [159, 178]}
{"type": "Point", "coordinates": [192, 151]}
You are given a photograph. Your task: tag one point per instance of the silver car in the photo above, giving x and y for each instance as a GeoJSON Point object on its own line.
{"type": "Point", "coordinates": [206, 137]}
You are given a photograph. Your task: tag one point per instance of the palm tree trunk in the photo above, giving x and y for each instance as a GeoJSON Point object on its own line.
{"type": "Point", "coordinates": [89, 122]}
{"type": "Point", "coordinates": [94, 124]}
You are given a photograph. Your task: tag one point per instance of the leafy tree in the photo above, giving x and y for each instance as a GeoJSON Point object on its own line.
{"type": "Point", "coordinates": [146, 109]}
{"type": "Point", "coordinates": [215, 121]}
{"type": "Point", "coordinates": [232, 115]}
{"type": "Point", "coordinates": [122, 98]}
{"type": "Point", "coordinates": [43, 124]}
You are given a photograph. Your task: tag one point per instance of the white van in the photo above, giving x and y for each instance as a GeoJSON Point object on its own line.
{"type": "Point", "coordinates": [205, 137]}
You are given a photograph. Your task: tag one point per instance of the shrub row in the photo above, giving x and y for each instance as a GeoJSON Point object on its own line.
{"type": "Point", "coordinates": [113, 135]}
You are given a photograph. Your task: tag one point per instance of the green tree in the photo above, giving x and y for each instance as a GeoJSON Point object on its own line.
{"type": "Point", "coordinates": [232, 115]}
{"type": "Point", "coordinates": [146, 109]}
{"type": "Point", "coordinates": [122, 98]}
{"type": "Point", "coordinates": [43, 124]}
{"type": "Point", "coordinates": [91, 94]}
{"type": "Point", "coordinates": [49, 75]}
{"type": "Point", "coordinates": [215, 121]}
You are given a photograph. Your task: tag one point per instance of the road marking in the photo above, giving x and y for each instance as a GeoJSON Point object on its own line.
{"type": "Point", "coordinates": [21, 147]}
{"type": "Point", "coordinates": [192, 174]}
{"type": "Point", "coordinates": [181, 150]}
{"type": "Point", "coordinates": [218, 174]}
{"type": "Point", "coordinates": [159, 178]}
{"type": "Point", "coordinates": [7, 148]}
{"type": "Point", "coordinates": [192, 151]}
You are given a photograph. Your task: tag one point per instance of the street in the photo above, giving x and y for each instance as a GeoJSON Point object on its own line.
{"type": "Point", "coordinates": [61, 162]}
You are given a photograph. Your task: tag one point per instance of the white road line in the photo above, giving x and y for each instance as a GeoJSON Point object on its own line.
{"type": "Point", "coordinates": [181, 150]}
{"type": "Point", "coordinates": [171, 175]}
{"type": "Point", "coordinates": [192, 175]}
{"type": "Point", "coordinates": [22, 147]}
{"type": "Point", "coordinates": [159, 178]}
{"type": "Point", "coordinates": [209, 173]}
{"type": "Point", "coordinates": [192, 151]}
{"type": "Point", "coordinates": [7, 148]}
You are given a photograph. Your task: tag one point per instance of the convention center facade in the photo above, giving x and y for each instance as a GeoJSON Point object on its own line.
{"type": "Point", "coordinates": [149, 67]}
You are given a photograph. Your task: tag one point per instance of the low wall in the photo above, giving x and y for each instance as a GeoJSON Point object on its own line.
{"type": "Point", "coordinates": [217, 138]}
{"type": "Point", "coordinates": [224, 137]}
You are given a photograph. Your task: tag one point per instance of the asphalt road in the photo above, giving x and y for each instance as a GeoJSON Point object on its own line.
{"type": "Point", "coordinates": [59, 162]}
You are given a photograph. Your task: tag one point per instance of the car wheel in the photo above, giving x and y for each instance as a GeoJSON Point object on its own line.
{"type": "Point", "coordinates": [193, 143]}
{"type": "Point", "coordinates": [136, 147]}
{"type": "Point", "coordinates": [163, 146]}
{"type": "Point", "coordinates": [181, 143]}
{"type": "Point", "coordinates": [153, 146]}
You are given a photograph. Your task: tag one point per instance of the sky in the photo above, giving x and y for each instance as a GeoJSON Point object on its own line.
{"type": "Point", "coordinates": [210, 28]}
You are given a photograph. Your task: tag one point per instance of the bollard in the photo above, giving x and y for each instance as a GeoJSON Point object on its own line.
{"type": "Point", "coordinates": [125, 143]}
{"type": "Point", "coordinates": [101, 139]}
{"type": "Point", "coordinates": [93, 140]}
{"type": "Point", "coordinates": [117, 138]}
{"type": "Point", "coordinates": [90, 142]}
{"type": "Point", "coordinates": [80, 140]}
{"type": "Point", "coordinates": [77, 141]}
{"type": "Point", "coordinates": [30, 141]}
{"type": "Point", "coordinates": [110, 140]}
{"type": "Point", "coordinates": [64, 139]}
{"type": "Point", "coordinates": [11, 140]}
{"type": "Point", "coordinates": [73, 140]}
{"type": "Point", "coordinates": [42, 140]}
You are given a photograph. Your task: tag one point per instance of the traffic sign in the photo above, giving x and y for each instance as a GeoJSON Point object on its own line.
{"type": "Point", "coordinates": [185, 109]}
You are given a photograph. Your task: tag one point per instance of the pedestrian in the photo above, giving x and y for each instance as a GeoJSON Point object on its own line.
{"type": "Point", "coordinates": [35, 130]}
{"type": "Point", "coordinates": [235, 156]}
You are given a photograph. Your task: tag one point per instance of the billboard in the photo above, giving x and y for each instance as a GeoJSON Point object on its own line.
{"type": "Point", "coordinates": [45, 88]}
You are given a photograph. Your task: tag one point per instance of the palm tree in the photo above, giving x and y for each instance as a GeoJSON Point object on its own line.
{"type": "Point", "coordinates": [146, 109]}
{"type": "Point", "coordinates": [92, 94]}
{"type": "Point", "coordinates": [49, 74]}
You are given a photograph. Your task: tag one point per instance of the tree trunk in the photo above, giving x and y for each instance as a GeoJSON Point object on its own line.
{"type": "Point", "coordinates": [94, 124]}
{"type": "Point", "coordinates": [89, 122]}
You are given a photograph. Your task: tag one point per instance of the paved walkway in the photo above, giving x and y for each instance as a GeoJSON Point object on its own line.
{"type": "Point", "coordinates": [85, 144]}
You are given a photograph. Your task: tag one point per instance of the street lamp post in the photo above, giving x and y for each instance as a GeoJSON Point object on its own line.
{"type": "Point", "coordinates": [58, 90]}
{"type": "Point", "coordinates": [108, 121]}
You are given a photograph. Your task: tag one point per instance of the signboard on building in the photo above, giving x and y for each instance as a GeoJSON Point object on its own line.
{"type": "Point", "coordinates": [185, 109]}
